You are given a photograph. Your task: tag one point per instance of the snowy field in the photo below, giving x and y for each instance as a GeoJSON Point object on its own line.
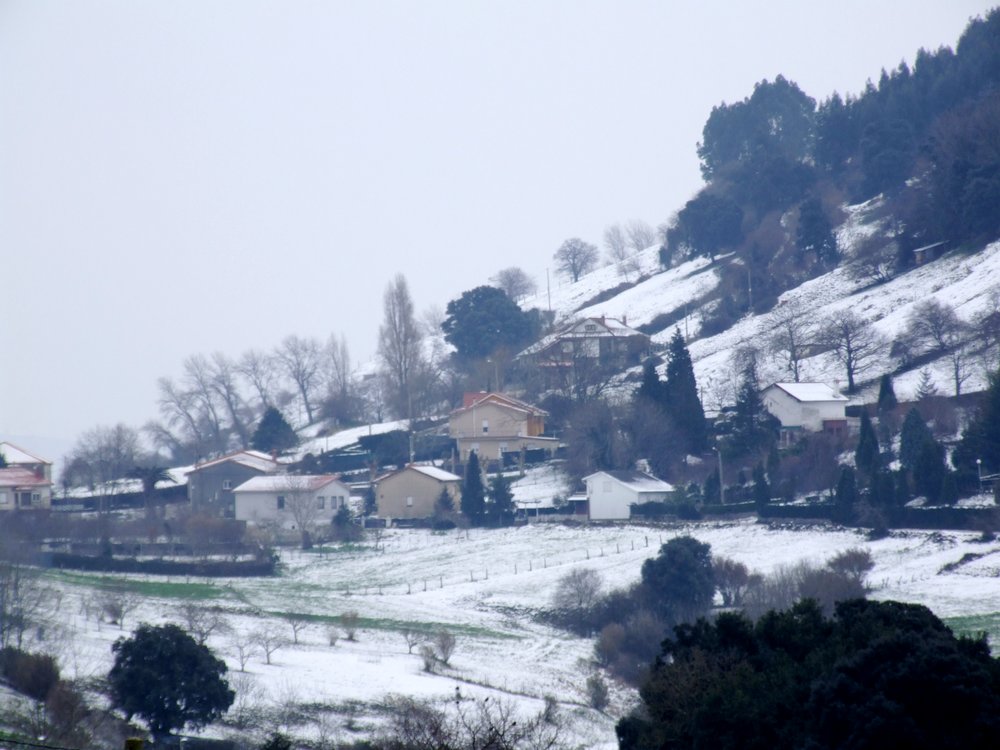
{"type": "Point", "coordinates": [485, 586]}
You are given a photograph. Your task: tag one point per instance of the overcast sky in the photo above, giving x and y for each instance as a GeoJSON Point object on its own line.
{"type": "Point", "coordinates": [189, 177]}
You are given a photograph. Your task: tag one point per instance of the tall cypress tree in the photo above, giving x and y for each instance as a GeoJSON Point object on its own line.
{"type": "Point", "coordinates": [913, 435]}
{"type": "Point", "coordinates": [886, 395]}
{"type": "Point", "coordinates": [846, 495]}
{"type": "Point", "coordinates": [761, 489]}
{"type": "Point", "coordinates": [866, 457]}
{"type": "Point", "coordinates": [681, 395]}
{"type": "Point", "coordinates": [473, 496]}
{"type": "Point", "coordinates": [753, 425]}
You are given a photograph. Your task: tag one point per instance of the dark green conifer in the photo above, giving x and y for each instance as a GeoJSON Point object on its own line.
{"type": "Point", "coordinates": [681, 393]}
{"type": "Point", "coordinates": [473, 496]}
{"type": "Point", "coordinates": [866, 456]}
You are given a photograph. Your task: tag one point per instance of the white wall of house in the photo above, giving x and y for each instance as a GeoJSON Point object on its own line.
{"type": "Point", "coordinates": [609, 499]}
{"type": "Point", "coordinates": [276, 506]}
{"type": "Point", "coordinates": [809, 415]}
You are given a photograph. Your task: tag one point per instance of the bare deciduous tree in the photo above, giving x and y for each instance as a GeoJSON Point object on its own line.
{"type": "Point", "coordinates": [246, 713]}
{"type": "Point", "coordinates": [201, 622]}
{"type": "Point", "coordinates": [399, 344]}
{"type": "Point", "coordinates": [854, 341]}
{"type": "Point", "coordinates": [179, 411]}
{"type": "Point", "coordinates": [640, 235]}
{"type": "Point", "coordinates": [242, 645]}
{"type": "Point", "coordinates": [226, 387]}
{"type": "Point", "coordinates": [301, 503]}
{"type": "Point", "coordinates": [337, 374]}
{"type": "Point", "coordinates": [412, 638]}
{"type": "Point", "coordinates": [444, 646]}
{"type": "Point", "coordinates": [935, 327]}
{"type": "Point", "coordinates": [23, 600]}
{"type": "Point", "coordinates": [515, 282]}
{"type": "Point", "coordinates": [350, 621]}
{"type": "Point", "coordinates": [575, 257]}
{"type": "Point", "coordinates": [270, 638]}
{"type": "Point", "coordinates": [616, 243]}
{"type": "Point", "coordinates": [299, 358]}
{"type": "Point", "coordinates": [117, 604]}
{"type": "Point", "coordinates": [579, 589]}
{"type": "Point", "coordinates": [733, 580]}
{"type": "Point", "coordinates": [297, 623]}
{"type": "Point", "coordinates": [792, 335]}
{"type": "Point", "coordinates": [258, 369]}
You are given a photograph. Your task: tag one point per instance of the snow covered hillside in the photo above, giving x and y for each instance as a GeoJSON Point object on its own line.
{"type": "Point", "coordinates": [962, 281]}
{"type": "Point", "coordinates": [484, 586]}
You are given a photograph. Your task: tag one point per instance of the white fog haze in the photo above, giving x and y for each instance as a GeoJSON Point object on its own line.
{"type": "Point", "coordinates": [181, 178]}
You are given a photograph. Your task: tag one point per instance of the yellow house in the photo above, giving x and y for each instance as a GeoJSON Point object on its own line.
{"type": "Point", "coordinates": [492, 424]}
{"type": "Point", "coordinates": [412, 491]}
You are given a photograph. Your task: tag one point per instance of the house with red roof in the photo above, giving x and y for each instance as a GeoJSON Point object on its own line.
{"type": "Point", "coordinates": [25, 480]}
{"type": "Point", "coordinates": [282, 498]}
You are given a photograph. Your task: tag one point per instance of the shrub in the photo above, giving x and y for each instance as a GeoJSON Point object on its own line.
{"type": "Point", "coordinates": [33, 675]}
{"type": "Point", "coordinates": [597, 692]}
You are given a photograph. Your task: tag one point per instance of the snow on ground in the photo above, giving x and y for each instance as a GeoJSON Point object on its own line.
{"type": "Point", "coordinates": [321, 444]}
{"type": "Point", "coordinates": [485, 587]}
{"type": "Point", "coordinates": [661, 294]}
{"type": "Point", "coordinates": [963, 281]}
{"type": "Point", "coordinates": [564, 297]}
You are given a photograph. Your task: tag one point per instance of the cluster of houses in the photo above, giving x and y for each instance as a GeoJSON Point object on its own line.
{"type": "Point", "coordinates": [248, 486]}
{"type": "Point", "coordinates": [254, 487]}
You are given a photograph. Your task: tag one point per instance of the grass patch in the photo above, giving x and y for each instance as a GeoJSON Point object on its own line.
{"type": "Point", "coordinates": [340, 549]}
{"type": "Point", "coordinates": [158, 589]}
{"type": "Point", "coordinates": [975, 624]}
{"type": "Point", "coordinates": [394, 626]}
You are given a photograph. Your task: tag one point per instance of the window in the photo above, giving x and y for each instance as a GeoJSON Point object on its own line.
{"type": "Point", "coordinates": [321, 502]}
{"type": "Point", "coordinates": [3, 498]}
{"type": "Point", "coordinates": [36, 498]}
{"type": "Point", "coordinates": [227, 484]}
{"type": "Point", "coordinates": [486, 426]}
{"type": "Point", "coordinates": [591, 327]}
{"type": "Point", "coordinates": [409, 502]}
{"type": "Point", "coordinates": [281, 502]}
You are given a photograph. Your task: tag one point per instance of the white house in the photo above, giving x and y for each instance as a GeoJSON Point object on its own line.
{"type": "Point", "coordinates": [284, 498]}
{"type": "Point", "coordinates": [808, 407]}
{"type": "Point", "coordinates": [611, 494]}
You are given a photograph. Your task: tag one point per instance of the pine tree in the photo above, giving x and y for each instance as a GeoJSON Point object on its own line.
{"type": "Point", "coordinates": [473, 496]}
{"type": "Point", "coordinates": [930, 470]}
{"type": "Point", "coordinates": [886, 395]}
{"type": "Point", "coordinates": [273, 433]}
{"type": "Point", "coordinates": [866, 456]}
{"type": "Point", "coordinates": [761, 489]}
{"type": "Point", "coordinates": [913, 435]}
{"type": "Point", "coordinates": [981, 438]}
{"type": "Point", "coordinates": [445, 504]}
{"type": "Point", "coordinates": [846, 496]}
{"type": "Point", "coordinates": [814, 233]}
{"type": "Point", "coordinates": [501, 500]}
{"type": "Point", "coordinates": [681, 396]}
{"type": "Point", "coordinates": [753, 426]}
{"type": "Point", "coordinates": [651, 389]}
{"type": "Point", "coordinates": [925, 386]}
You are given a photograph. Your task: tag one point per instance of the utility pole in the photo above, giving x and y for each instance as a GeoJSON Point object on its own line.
{"type": "Point", "coordinates": [722, 483]}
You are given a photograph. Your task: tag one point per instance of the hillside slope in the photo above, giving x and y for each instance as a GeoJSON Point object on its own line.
{"type": "Point", "coordinates": [685, 292]}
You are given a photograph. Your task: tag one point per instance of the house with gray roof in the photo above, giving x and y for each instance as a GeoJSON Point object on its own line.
{"type": "Point", "coordinates": [611, 494]}
{"type": "Point", "coordinates": [806, 407]}
{"type": "Point", "coordinates": [411, 492]}
{"type": "Point", "coordinates": [211, 483]}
